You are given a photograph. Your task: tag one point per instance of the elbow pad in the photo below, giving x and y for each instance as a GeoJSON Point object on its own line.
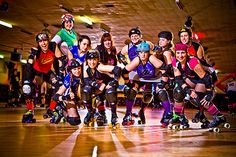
{"type": "Point", "coordinates": [121, 58]}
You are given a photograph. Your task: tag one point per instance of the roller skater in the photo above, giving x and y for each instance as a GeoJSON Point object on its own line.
{"type": "Point", "coordinates": [164, 88]}
{"type": "Point", "coordinates": [146, 66]}
{"type": "Point", "coordinates": [38, 67]}
{"type": "Point", "coordinates": [101, 82]}
{"type": "Point", "coordinates": [69, 91]}
{"type": "Point", "coordinates": [189, 80]}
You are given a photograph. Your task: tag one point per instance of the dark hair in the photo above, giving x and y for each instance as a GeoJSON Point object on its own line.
{"type": "Point", "coordinates": [82, 37]}
{"type": "Point", "coordinates": [106, 36]}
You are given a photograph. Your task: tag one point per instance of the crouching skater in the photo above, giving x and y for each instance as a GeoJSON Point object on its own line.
{"type": "Point", "coordinates": [68, 93]}
{"type": "Point", "coordinates": [147, 66]}
{"type": "Point", "coordinates": [189, 77]}
{"type": "Point", "coordinates": [98, 86]}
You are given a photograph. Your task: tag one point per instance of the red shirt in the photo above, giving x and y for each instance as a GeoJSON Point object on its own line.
{"type": "Point", "coordinates": [44, 62]}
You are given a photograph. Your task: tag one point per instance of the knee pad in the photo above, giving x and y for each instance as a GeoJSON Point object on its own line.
{"type": "Point", "coordinates": [73, 120]}
{"type": "Point", "coordinates": [147, 97]}
{"type": "Point", "coordinates": [131, 95]}
{"type": "Point", "coordinates": [162, 95]}
{"type": "Point", "coordinates": [179, 94]}
{"type": "Point", "coordinates": [86, 94]}
{"type": "Point", "coordinates": [27, 90]}
{"type": "Point", "coordinates": [111, 95]}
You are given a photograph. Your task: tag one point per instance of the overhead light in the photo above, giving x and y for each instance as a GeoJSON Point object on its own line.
{"type": "Point", "coordinates": [86, 20]}
{"type": "Point", "coordinates": [5, 24]}
{"type": "Point", "coordinates": [1, 56]}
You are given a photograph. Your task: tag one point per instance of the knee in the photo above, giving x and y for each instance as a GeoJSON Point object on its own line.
{"type": "Point", "coordinates": [162, 95]}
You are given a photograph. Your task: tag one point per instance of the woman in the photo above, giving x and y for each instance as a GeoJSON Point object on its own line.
{"type": "Point", "coordinates": [100, 85]}
{"type": "Point", "coordinates": [68, 93]}
{"type": "Point", "coordinates": [190, 78]}
{"type": "Point", "coordinates": [146, 66]}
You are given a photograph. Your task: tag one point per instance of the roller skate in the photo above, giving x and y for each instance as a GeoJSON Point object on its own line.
{"type": "Point", "coordinates": [114, 124]}
{"type": "Point", "coordinates": [127, 120]}
{"type": "Point", "coordinates": [178, 122]}
{"type": "Point", "coordinates": [101, 118]}
{"type": "Point", "coordinates": [56, 117]}
{"type": "Point", "coordinates": [89, 119]}
{"type": "Point", "coordinates": [219, 121]}
{"type": "Point", "coordinates": [28, 117]}
{"type": "Point", "coordinates": [166, 119]}
{"type": "Point", "coordinates": [48, 114]}
{"type": "Point", "coordinates": [200, 117]}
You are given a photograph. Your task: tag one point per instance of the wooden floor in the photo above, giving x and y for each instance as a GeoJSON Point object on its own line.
{"type": "Point", "coordinates": [62, 140]}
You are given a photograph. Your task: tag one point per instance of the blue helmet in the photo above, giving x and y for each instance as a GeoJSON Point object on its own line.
{"type": "Point", "coordinates": [143, 47]}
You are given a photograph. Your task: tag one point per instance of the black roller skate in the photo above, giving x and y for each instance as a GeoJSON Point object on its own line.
{"type": "Point", "coordinates": [56, 117]}
{"type": "Point", "coordinates": [200, 117]}
{"type": "Point", "coordinates": [184, 122]}
{"type": "Point", "coordinates": [166, 119]}
{"type": "Point", "coordinates": [89, 119]}
{"type": "Point", "coordinates": [219, 121]}
{"type": "Point", "coordinates": [28, 117]}
{"type": "Point", "coordinates": [101, 118]}
{"type": "Point", "coordinates": [127, 120]}
{"type": "Point", "coordinates": [114, 124]}
{"type": "Point", "coordinates": [178, 122]}
{"type": "Point", "coordinates": [141, 117]}
{"type": "Point", "coordinates": [48, 114]}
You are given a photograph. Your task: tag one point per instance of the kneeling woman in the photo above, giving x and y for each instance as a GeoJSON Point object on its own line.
{"type": "Point", "coordinates": [68, 92]}
{"type": "Point", "coordinates": [189, 77]}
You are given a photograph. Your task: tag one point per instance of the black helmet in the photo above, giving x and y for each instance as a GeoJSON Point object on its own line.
{"type": "Point", "coordinates": [41, 36]}
{"type": "Point", "coordinates": [184, 29]}
{"type": "Point", "coordinates": [73, 63]}
{"type": "Point", "coordinates": [135, 31]}
{"type": "Point", "coordinates": [165, 34]}
{"type": "Point", "coordinates": [92, 54]}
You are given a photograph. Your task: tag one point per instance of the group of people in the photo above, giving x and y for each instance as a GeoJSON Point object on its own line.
{"type": "Point", "coordinates": [166, 72]}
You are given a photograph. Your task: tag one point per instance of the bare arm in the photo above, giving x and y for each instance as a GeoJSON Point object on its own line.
{"type": "Point", "coordinates": [133, 64]}
{"type": "Point", "coordinates": [200, 52]}
{"type": "Point", "coordinates": [168, 57]}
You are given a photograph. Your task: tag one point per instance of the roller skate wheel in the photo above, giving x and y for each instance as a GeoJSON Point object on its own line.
{"type": "Point", "coordinates": [217, 130]}
{"type": "Point", "coordinates": [33, 120]}
{"type": "Point", "coordinates": [182, 127]}
{"type": "Point", "coordinates": [45, 116]}
{"type": "Point", "coordinates": [195, 120]}
{"type": "Point", "coordinates": [175, 127]}
{"type": "Point", "coordinates": [227, 125]}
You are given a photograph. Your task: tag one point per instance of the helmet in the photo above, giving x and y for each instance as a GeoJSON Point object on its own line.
{"type": "Point", "coordinates": [165, 34]}
{"type": "Point", "coordinates": [135, 31]}
{"type": "Point", "coordinates": [181, 47]}
{"type": "Point", "coordinates": [73, 63]}
{"type": "Point", "coordinates": [143, 47]}
{"type": "Point", "coordinates": [41, 36]}
{"type": "Point", "coordinates": [67, 17]}
{"type": "Point", "coordinates": [92, 54]}
{"type": "Point", "coordinates": [184, 29]}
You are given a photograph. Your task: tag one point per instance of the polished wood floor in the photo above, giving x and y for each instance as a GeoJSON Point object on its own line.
{"type": "Point", "coordinates": [42, 139]}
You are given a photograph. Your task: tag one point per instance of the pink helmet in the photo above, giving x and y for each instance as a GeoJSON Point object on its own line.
{"type": "Point", "coordinates": [181, 47]}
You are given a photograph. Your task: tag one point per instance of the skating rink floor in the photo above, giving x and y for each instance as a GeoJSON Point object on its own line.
{"type": "Point", "coordinates": [42, 139]}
